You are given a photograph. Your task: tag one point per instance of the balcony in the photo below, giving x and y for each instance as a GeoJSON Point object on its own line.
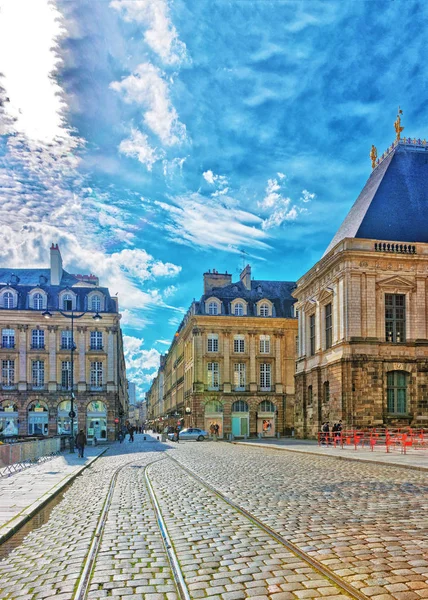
{"type": "Point", "coordinates": [8, 386]}
{"type": "Point", "coordinates": [37, 347]}
{"type": "Point", "coordinates": [395, 248]}
{"type": "Point", "coordinates": [8, 346]}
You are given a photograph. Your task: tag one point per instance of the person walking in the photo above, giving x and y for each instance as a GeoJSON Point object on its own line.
{"type": "Point", "coordinates": [177, 435]}
{"type": "Point", "coordinates": [131, 434]}
{"type": "Point", "coordinates": [81, 442]}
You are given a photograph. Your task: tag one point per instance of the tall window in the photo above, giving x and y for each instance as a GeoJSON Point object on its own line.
{"type": "Point", "coordinates": [38, 338]}
{"type": "Point", "coordinates": [96, 303]}
{"type": "Point", "coordinates": [8, 338]}
{"type": "Point", "coordinates": [265, 376]}
{"type": "Point", "coordinates": [395, 317]}
{"type": "Point", "coordinates": [38, 373]}
{"type": "Point", "coordinates": [212, 342]}
{"type": "Point", "coordinates": [96, 374]}
{"type": "Point", "coordinates": [8, 300]}
{"type": "Point", "coordinates": [239, 309]}
{"type": "Point", "coordinates": [239, 376]}
{"type": "Point", "coordinates": [213, 376]}
{"type": "Point", "coordinates": [326, 391]}
{"type": "Point", "coordinates": [38, 301]}
{"type": "Point", "coordinates": [66, 340]}
{"type": "Point", "coordinates": [213, 308]}
{"type": "Point", "coordinates": [67, 302]}
{"type": "Point", "coordinates": [96, 340]}
{"type": "Point", "coordinates": [264, 344]}
{"type": "Point", "coordinates": [8, 373]}
{"type": "Point", "coordinates": [310, 396]}
{"type": "Point", "coordinates": [397, 392]}
{"type": "Point", "coordinates": [66, 374]}
{"type": "Point", "coordinates": [264, 310]}
{"type": "Point", "coordinates": [239, 343]}
{"type": "Point", "coordinates": [312, 334]}
{"type": "Point", "coordinates": [328, 326]}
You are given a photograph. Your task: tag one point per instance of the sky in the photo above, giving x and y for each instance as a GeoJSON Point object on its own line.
{"type": "Point", "coordinates": [156, 139]}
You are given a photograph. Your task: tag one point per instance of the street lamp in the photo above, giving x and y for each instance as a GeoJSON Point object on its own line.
{"type": "Point", "coordinates": [97, 317]}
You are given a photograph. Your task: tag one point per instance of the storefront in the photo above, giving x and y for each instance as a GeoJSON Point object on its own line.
{"type": "Point", "coordinates": [8, 418]}
{"type": "Point", "coordinates": [266, 418]}
{"type": "Point", "coordinates": [213, 423]}
{"type": "Point", "coordinates": [240, 418]}
{"type": "Point", "coordinates": [96, 420]}
{"type": "Point", "coordinates": [38, 418]}
{"type": "Point", "coordinates": [64, 421]}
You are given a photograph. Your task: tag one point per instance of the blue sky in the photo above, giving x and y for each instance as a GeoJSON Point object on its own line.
{"type": "Point", "coordinates": [157, 139]}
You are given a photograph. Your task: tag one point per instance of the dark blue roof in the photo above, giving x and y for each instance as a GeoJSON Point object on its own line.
{"type": "Point", "coordinates": [393, 205]}
{"type": "Point", "coordinates": [278, 292]}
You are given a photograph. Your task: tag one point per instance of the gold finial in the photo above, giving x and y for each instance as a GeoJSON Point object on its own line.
{"type": "Point", "coordinates": [373, 156]}
{"type": "Point", "coordinates": [397, 124]}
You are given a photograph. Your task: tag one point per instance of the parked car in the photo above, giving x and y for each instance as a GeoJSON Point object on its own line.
{"type": "Point", "coordinates": [192, 433]}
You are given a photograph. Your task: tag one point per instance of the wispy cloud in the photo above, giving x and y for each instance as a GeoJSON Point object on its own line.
{"type": "Point", "coordinates": [141, 363]}
{"type": "Point", "coordinates": [280, 208]}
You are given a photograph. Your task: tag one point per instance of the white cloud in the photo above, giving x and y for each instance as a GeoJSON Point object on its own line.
{"type": "Point", "coordinates": [278, 207]}
{"type": "Point", "coordinates": [282, 175]}
{"type": "Point", "coordinates": [29, 32]}
{"type": "Point", "coordinates": [209, 176]}
{"type": "Point", "coordinates": [307, 196]}
{"type": "Point", "coordinates": [148, 88]}
{"type": "Point", "coordinates": [141, 364]}
{"type": "Point", "coordinates": [137, 146]}
{"type": "Point", "coordinates": [161, 35]}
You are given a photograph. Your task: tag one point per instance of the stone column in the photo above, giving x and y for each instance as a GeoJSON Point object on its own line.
{"type": "Point", "coordinates": [354, 306]}
{"type": "Point", "coordinates": [341, 309]}
{"type": "Point", "coordinates": [198, 359]}
{"type": "Point", "coordinates": [421, 309]}
{"type": "Point", "coordinates": [111, 376]}
{"type": "Point", "coordinates": [53, 376]}
{"type": "Point", "coordinates": [80, 341]}
{"type": "Point", "coordinates": [318, 327]}
{"type": "Point", "coordinates": [279, 384]}
{"type": "Point", "coordinates": [253, 374]}
{"type": "Point", "coordinates": [371, 305]}
{"type": "Point", "coordinates": [22, 347]}
{"type": "Point", "coordinates": [227, 379]}
{"type": "Point", "coordinates": [302, 333]}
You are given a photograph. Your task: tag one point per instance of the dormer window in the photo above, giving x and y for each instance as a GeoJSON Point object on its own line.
{"type": "Point", "coordinates": [67, 302]}
{"type": "Point", "coordinates": [37, 301]}
{"type": "Point", "coordinates": [213, 308]}
{"type": "Point", "coordinates": [264, 310]}
{"type": "Point", "coordinates": [239, 309]}
{"type": "Point", "coordinates": [95, 303]}
{"type": "Point", "coordinates": [8, 300]}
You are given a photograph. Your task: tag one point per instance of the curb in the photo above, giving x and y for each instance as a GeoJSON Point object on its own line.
{"type": "Point", "coordinates": [362, 459]}
{"type": "Point", "coordinates": [12, 526]}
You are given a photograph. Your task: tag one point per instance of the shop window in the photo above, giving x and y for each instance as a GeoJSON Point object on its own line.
{"type": "Point", "coordinates": [9, 420]}
{"type": "Point", "coordinates": [38, 417]}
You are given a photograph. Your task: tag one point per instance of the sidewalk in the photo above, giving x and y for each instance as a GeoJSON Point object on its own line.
{"type": "Point", "coordinates": [414, 459]}
{"type": "Point", "coordinates": [24, 493]}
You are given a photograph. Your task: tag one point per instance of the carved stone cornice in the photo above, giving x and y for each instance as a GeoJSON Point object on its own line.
{"type": "Point", "coordinates": [23, 327]}
{"type": "Point", "coordinates": [82, 328]}
{"type": "Point", "coordinates": [53, 328]}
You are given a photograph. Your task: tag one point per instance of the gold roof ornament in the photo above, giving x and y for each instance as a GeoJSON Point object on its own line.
{"type": "Point", "coordinates": [397, 124]}
{"type": "Point", "coordinates": [373, 156]}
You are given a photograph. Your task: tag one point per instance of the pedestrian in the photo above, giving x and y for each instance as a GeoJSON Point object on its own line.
{"type": "Point", "coordinates": [81, 442]}
{"type": "Point", "coordinates": [339, 430]}
{"type": "Point", "coordinates": [177, 435]}
{"type": "Point", "coordinates": [120, 436]}
{"type": "Point", "coordinates": [326, 430]}
{"type": "Point", "coordinates": [131, 434]}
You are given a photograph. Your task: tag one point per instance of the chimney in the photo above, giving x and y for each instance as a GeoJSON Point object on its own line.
{"type": "Point", "coordinates": [215, 279]}
{"type": "Point", "coordinates": [56, 265]}
{"type": "Point", "coordinates": [245, 277]}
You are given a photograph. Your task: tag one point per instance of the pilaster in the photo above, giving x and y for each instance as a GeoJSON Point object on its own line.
{"type": "Point", "coordinates": [22, 383]}
{"type": "Point", "coordinates": [52, 384]}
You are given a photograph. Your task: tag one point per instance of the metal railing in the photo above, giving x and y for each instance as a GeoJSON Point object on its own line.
{"type": "Point", "coordinates": [386, 439]}
{"type": "Point", "coordinates": [19, 455]}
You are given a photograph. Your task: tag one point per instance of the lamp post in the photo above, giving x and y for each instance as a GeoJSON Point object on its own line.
{"type": "Point", "coordinates": [97, 317]}
{"type": "Point", "coordinates": [188, 412]}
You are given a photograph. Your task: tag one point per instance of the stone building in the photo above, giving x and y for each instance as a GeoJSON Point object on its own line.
{"type": "Point", "coordinates": [231, 363]}
{"type": "Point", "coordinates": [363, 308]}
{"type": "Point", "coordinates": [35, 353]}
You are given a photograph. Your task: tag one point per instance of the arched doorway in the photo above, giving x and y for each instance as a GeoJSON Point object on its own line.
{"type": "Point", "coordinates": [38, 418]}
{"type": "Point", "coordinates": [266, 411]}
{"type": "Point", "coordinates": [240, 418]}
{"type": "Point", "coordinates": [96, 420]}
{"type": "Point", "coordinates": [63, 419]}
{"type": "Point", "coordinates": [214, 418]}
{"type": "Point", "coordinates": [8, 418]}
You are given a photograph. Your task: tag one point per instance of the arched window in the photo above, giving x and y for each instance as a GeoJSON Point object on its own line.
{"type": "Point", "coordinates": [239, 309]}
{"type": "Point", "coordinates": [240, 406]}
{"type": "Point", "coordinates": [37, 301]}
{"type": "Point", "coordinates": [96, 420]}
{"type": "Point", "coordinates": [267, 407]}
{"type": "Point", "coordinates": [95, 303]}
{"type": "Point", "coordinates": [264, 310]}
{"type": "Point", "coordinates": [326, 391]}
{"type": "Point", "coordinates": [213, 308]}
{"type": "Point", "coordinates": [67, 302]}
{"type": "Point", "coordinates": [213, 407]}
{"type": "Point", "coordinates": [8, 418]}
{"type": "Point", "coordinates": [38, 416]}
{"type": "Point", "coordinates": [64, 421]}
{"type": "Point", "coordinates": [397, 392]}
{"type": "Point", "coordinates": [8, 300]}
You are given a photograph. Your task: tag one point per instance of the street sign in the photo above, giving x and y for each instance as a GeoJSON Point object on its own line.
{"type": "Point", "coordinates": [116, 420]}
{"type": "Point", "coordinates": [72, 414]}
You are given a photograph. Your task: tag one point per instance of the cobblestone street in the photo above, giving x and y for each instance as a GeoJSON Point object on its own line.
{"type": "Point", "coordinates": [366, 524]}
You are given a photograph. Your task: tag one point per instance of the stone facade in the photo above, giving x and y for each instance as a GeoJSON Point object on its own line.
{"type": "Point", "coordinates": [35, 353]}
{"type": "Point", "coordinates": [355, 278]}
{"type": "Point", "coordinates": [237, 347]}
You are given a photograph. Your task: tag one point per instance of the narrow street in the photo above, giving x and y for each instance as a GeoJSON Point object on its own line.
{"type": "Point", "coordinates": [215, 520]}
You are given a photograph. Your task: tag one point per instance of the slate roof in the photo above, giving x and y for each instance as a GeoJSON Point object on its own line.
{"type": "Point", "coordinates": [278, 292]}
{"type": "Point", "coordinates": [393, 205]}
{"type": "Point", "coordinates": [28, 279]}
